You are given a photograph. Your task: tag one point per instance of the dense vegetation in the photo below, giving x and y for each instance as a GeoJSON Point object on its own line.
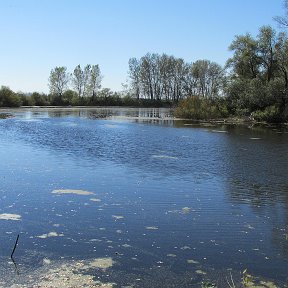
{"type": "Point", "coordinates": [254, 82]}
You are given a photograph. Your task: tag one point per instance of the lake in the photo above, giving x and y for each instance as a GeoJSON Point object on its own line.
{"type": "Point", "coordinates": [154, 202]}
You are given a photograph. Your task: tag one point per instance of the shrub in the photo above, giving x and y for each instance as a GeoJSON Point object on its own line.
{"type": "Point", "coordinates": [8, 98]}
{"type": "Point", "coordinates": [269, 114]}
{"type": "Point", "coordinates": [198, 108]}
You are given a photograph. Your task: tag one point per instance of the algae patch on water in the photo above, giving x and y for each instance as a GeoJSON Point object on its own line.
{"type": "Point", "coordinates": [72, 191]}
{"type": "Point", "coordinates": [7, 216]}
{"type": "Point", "coordinates": [74, 274]}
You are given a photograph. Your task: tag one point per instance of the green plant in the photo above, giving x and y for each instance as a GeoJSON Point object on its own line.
{"type": "Point", "coordinates": [269, 114]}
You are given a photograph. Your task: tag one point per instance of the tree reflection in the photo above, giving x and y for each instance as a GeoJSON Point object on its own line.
{"type": "Point", "coordinates": [257, 166]}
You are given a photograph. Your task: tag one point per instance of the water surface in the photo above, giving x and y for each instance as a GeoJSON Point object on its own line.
{"type": "Point", "coordinates": [173, 204]}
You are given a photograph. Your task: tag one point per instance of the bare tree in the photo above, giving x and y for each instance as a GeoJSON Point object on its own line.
{"type": "Point", "coordinates": [283, 20]}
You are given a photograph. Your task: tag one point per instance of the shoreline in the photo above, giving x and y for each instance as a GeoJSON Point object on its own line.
{"type": "Point", "coordinates": [244, 121]}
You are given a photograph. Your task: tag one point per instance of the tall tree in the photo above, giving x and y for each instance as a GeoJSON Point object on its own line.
{"type": "Point", "coordinates": [78, 80]}
{"type": "Point", "coordinates": [95, 79]}
{"type": "Point", "coordinates": [266, 51]}
{"type": "Point", "coordinates": [209, 78]}
{"type": "Point", "coordinates": [134, 74]}
{"type": "Point", "coordinates": [58, 81]}
{"type": "Point", "coordinates": [86, 81]}
{"type": "Point", "coordinates": [244, 62]}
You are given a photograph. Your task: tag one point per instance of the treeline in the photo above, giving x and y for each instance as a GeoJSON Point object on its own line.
{"type": "Point", "coordinates": [256, 81]}
{"type": "Point", "coordinates": [164, 77]}
{"type": "Point", "coordinates": [103, 97]}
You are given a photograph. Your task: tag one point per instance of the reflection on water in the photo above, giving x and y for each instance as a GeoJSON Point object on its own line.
{"type": "Point", "coordinates": [171, 202]}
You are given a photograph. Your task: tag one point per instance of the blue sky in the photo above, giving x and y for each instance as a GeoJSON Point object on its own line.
{"type": "Point", "coordinates": [38, 35]}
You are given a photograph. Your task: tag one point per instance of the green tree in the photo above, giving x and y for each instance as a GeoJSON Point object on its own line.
{"type": "Point", "coordinates": [209, 78]}
{"type": "Point", "coordinates": [39, 99]}
{"type": "Point", "coordinates": [95, 80]}
{"type": "Point", "coordinates": [86, 81]}
{"type": "Point", "coordinates": [267, 40]}
{"type": "Point", "coordinates": [244, 62]}
{"type": "Point", "coordinates": [8, 98]}
{"type": "Point", "coordinates": [58, 81]}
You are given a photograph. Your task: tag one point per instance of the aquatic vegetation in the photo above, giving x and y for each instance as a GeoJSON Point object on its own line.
{"type": "Point", "coordinates": [249, 281]}
{"type": "Point", "coordinates": [7, 216]}
{"type": "Point", "coordinates": [191, 261]}
{"type": "Point", "coordinates": [71, 191]}
{"type": "Point", "coordinates": [74, 274]}
{"type": "Point", "coordinates": [101, 263]}
{"type": "Point", "coordinates": [171, 255]}
{"type": "Point", "coordinates": [5, 115]}
{"type": "Point", "coordinates": [247, 278]}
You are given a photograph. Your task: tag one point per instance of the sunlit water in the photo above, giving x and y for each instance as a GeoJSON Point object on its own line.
{"type": "Point", "coordinates": [173, 204]}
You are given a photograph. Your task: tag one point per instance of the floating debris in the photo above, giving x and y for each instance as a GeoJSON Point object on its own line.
{"type": "Point", "coordinates": [191, 261]}
{"type": "Point", "coordinates": [50, 234]}
{"type": "Point", "coordinates": [200, 272]}
{"type": "Point", "coordinates": [219, 131]}
{"type": "Point", "coordinates": [255, 138]}
{"type": "Point", "coordinates": [185, 210]}
{"type": "Point", "coordinates": [164, 157]}
{"type": "Point", "coordinates": [126, 245]}
{"type": "Point", "coordinates": [171, 255]}
{"type": "Point", "coordinates": [185, 248]}
{"type": "Point", "coordinates": [95, 199]}
{"type": "Point", "coordinates": [46, 261]}
{"type": "Point", "coordinates": [71, 191]}
{"type": "Point", "coordinates": [151, 227]}
{"type": "Point", "coordinates": [249, 226]}
{"type": "Point", "coordinates": [7, 216]}
{"type": "Point", "coordinates": [117, 217]}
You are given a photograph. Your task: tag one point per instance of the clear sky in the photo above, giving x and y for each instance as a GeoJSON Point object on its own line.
{"type": "Point", "coordinates": [38, 35]}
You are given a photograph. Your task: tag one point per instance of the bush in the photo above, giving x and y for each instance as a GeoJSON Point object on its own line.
{"type": "Point", "coordinates": [8, 98]}
{"type": "Point", "coordinates": [270, 114]}
{"type": "Point", "coordinates": [198, 108]}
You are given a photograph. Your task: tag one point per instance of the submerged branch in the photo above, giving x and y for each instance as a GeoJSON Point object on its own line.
{"type": "Point", "coordinates": [15, 245]}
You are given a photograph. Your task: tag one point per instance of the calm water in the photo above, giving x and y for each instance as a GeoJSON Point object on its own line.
{"type": "Point", "coordinates": [171, 200]}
